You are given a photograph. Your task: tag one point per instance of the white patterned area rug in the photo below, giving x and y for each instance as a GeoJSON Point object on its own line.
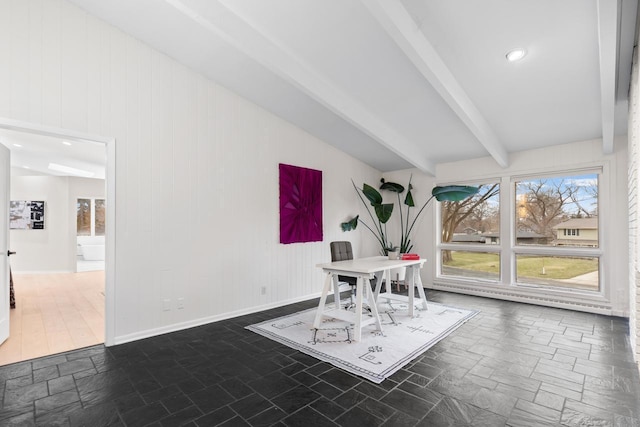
{"type": "Point", "coordinates": [377, 355]}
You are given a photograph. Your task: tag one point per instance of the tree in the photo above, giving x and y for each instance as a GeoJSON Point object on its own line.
{"type": "Point", "coordinates": [454, 213]}
{"type": "Point", "coordinates": [484, 218]}
{"type": "Point", "coordinates": [543, 204]}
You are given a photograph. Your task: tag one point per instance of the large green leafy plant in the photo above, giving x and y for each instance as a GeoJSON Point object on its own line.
{"type": "Point", "coordinates": [384, 211]}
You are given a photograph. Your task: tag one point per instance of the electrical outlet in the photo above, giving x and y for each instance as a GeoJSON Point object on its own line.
{"type": "Point", "coordinates": [263, 290]}
{"type": "Point", "coordinates": [180, 303]}
{"type": "Point", "coordinates": [166, 304]}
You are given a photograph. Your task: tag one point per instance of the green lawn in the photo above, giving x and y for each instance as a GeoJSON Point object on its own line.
{"type": "Point", "coordinates": [528, 266]}
{"type": "Point", "coordinates": [489, 263]}
{"type": "Point", "coordinates": [555, 267]}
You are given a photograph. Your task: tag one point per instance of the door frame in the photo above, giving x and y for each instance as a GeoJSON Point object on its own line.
{"type": "Point", "coordinates": [5, 268]}
{"type": "Point", "coordinates": [110, 182]}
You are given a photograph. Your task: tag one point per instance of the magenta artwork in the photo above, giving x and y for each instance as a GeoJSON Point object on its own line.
{"type": "Point", "coordinates": [300, 204]}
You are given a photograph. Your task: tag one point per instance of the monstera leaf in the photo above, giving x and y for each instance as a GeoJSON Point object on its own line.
{"type": "Point", "coordinates": [408, 200]}
{"type": "Point", "coordinates": [351, 224]}
{"type": "Point", "coordinates": [391, 186]}
{"type": "Point", "coordinates": [383, 210]}
{"type": "Point", "coordinates": [374, 197]}
{"type": "Point", "coordinates": [453, 193]}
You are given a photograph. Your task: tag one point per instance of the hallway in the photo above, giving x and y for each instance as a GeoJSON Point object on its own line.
{"type": "Point", "coordinates": [54, 313]}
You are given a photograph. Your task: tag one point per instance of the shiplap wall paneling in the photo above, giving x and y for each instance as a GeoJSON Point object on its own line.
{"type": "Point", "coordinates": [19, 97]}
{"type": "Point", "coordinates": [36, 32]}
{"type": "Point", "coordinates": [74, 68]}
{"type": "Point", "coordinates": [196, 169]}
{"type": "Point", "coordinates": [634, 237]}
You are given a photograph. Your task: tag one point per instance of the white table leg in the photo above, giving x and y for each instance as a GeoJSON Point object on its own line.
{"type": "Point", "coordinates": [379, 275]}
{"type": "Point", "coordinates": [336, 291]}
{"type": "Point", "coordinates": [410, 275]}
{"type": "Point", "coordinates": [357, 329]}
{"type": "Point", "coordinates": [323, 300]}
{"type": "Point", "coordinates": [374, 307]}
{"type": "Point", "coordinates": [421, 289]}
{"type": "Point", "coordinates": [387, 281]}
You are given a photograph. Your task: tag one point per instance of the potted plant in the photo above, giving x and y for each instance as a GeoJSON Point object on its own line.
{"type": "Point", "coordinates": [384, 211]}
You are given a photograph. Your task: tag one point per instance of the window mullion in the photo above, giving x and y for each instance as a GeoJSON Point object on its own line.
{"type": "Point", "coordinates": [93, 216]}
{"type": "Point", "coordinates": [507, 258]}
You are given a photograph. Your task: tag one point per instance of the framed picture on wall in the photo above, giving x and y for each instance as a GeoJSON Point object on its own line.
{"type": "Point", "coordinates": [26, 215]}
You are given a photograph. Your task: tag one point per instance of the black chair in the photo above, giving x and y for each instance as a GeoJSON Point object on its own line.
{"type": "Point", "coordinates": [342, 251]}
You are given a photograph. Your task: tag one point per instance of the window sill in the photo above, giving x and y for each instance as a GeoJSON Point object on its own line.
{"type": "Point", "coordinates": [591, 302]}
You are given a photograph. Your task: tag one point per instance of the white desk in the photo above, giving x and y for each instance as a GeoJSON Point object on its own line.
{"type": "Point", "coordinates": [365, 269]}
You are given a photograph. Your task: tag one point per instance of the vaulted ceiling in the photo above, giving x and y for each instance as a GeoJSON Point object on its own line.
{"type": "Point", "coordinates": [408, 83]}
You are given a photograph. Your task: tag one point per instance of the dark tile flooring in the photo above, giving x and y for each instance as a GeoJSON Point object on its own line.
{"type": "Point", "coordinates": [513, 364]}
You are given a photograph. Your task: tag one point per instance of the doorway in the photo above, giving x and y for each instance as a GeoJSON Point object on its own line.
{"type": "Point", "coordinates": [45, 285]}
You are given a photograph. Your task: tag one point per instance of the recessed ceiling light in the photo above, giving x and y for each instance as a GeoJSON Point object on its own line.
{"type": "Point", "coordinates": [70, 170]}
{"type": "Point", "coordinates": [26, 167]}
{"type": "Point", "coordinates": [17, 145]}
{"type": "Point", "coordinates": [66, 143]}
{"type": "Point", "coordinates": [516, 54]}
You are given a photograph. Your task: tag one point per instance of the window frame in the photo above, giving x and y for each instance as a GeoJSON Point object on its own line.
{"type": "Point", "coordinates": [92, 213]}
{"type": "Point", "coordinates": [508, 287]}
{"type": "Point", "coordinates": [560, 250]}
{"type": "Point", "coordinates": [470, 247]}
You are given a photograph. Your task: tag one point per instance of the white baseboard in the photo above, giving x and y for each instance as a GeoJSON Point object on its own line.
{"type": "Point", "coordinates": [148, 333]}
{"type": "Point", "coordinates": [42, 272]}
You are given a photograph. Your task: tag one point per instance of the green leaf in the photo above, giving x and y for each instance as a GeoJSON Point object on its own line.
{"type": "Point", "coordinates": [372, 194]}
{"type": "Point", "coordinates": [453, 193]}
{"type": "Point", "coordinates": [392, 186]}
{"type": "Point", "coordinates": [409, 199]}
{"type": "Point", "coordinates": [384, 211]}
{"type": "Point", "coordinates": [350, 225]}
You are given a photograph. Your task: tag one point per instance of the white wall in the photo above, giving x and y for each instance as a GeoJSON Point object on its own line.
{"type": "Point", "coordinates": [54, 248]}
{"type": "Point", "coordinates": [613, 206]}
{"type": "Point", "coordinates": [43, 250]}
{"type": "Point", "coordinates": [196, 169]}
{"type": "Point", "coordinates": [634, 189]}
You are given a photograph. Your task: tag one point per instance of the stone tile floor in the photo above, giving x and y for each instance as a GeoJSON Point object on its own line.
{"type": "Point", "coordinates": [513, 364]}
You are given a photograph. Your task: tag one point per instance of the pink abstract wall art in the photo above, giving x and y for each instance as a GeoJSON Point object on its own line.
{"type": "Point", "coordinates": [300, 204]}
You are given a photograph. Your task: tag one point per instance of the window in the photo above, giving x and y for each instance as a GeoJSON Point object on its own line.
{"type": "Point", "coordinates": [551, 211]}
{"type": "Point", "coordinates": [544, 233]}
{"type": "Point", "coordinates": [90, 217]}
{"type": "Point", "coordinates": [472, 222]}
{"type": "Point", "coordinates": [100, 214]}
{"type": "Point", "coordinates": [83, 217]}
{"type": "Point", "coordinates": [476, 265]}
{"type": "Point", "coordinates": [558, 271]}
{"type": "Point", "coordinates": [559, 213]}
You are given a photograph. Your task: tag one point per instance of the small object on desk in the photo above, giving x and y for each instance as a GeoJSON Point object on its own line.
{"type": "Point", "coordinates": [406, 257]}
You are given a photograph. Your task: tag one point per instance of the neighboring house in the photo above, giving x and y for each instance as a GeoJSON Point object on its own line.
{"type": "Point", "coordinates": [468, 238]}
{"type": "Point", "coordinates": [577, 232]}
{"type": "Point", "coordinates": [493, 238]}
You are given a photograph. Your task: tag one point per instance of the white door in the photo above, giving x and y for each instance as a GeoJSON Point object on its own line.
{"type": "Point", "coordinates": [4, 242]}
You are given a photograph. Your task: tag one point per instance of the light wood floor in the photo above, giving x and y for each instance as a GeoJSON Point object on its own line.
{"type": "Point", "coordinates": [54, 313]}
